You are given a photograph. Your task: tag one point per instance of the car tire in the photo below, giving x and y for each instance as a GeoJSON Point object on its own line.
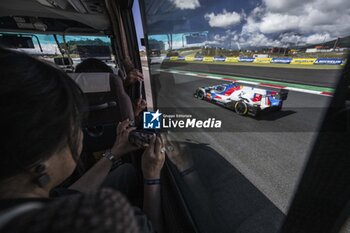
{"type": "Point", "coordinates": [200, 94]}
{"type": "Point", "coordinates": [241, 108]}
{"type": "Point", "coordinates": [279, 107]}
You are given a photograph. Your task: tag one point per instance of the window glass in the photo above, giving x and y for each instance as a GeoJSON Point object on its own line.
{"type": "Point", "coordinates": [242, 88]}
{"type": "Point", "coordinates": [83, 47]}
{"type": "Point", "coordinates": [43, 45]}
{"type": "Point", "coordinates": [78, 47]}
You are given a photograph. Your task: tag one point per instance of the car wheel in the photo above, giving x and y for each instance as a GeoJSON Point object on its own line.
{"type": "Point", "coordinates": [200, 95]}
{"type": "Point", "coordinates": [279, 107]}
{"type": "Point", "coordinates": [241, 108]}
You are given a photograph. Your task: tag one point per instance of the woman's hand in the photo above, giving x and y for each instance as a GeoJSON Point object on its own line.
{"type": "Point", "coordinates": [175, 155]}
{"type": "Point", "coordinates": [122, 145]}
{"type": "Point", "coordinates": [139, 106]}
{"type": "Point", "coordinates": [153, 159]}
{"type": "Point", "coordinates": [133, 76]}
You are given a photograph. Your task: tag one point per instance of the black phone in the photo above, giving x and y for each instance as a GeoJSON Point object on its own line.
{"type": "Point", "coordinates": [141, 138]}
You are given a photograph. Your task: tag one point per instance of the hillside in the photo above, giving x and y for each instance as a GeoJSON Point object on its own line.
{"type": "Point", "coordinates": [342, 43]}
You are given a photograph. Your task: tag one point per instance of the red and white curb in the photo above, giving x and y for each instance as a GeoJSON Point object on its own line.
{"type": "Point", "coordinates": [296, 89]}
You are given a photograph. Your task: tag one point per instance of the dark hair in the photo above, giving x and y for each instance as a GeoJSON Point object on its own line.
{"type": "Point", "coordinates": [91, 65]}
{"type": "Point", "coordinates": [41, 109]}
{"type": "Point", "coordinates": [106, 211]}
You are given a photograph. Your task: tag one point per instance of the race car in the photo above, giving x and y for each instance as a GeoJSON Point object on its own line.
{"type": "Point", "coordinates": [243, 99]}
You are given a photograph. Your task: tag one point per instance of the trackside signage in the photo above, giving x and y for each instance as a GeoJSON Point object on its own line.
{"type": "Point", "coordinates": [198, 58]}
{"type": "Point", "coordinates": [262, 60]}
{"type": "Point", "coordinates": [303, 61]}
{"type": "Point", "coordinates": [246, 59]}
{"type": "Point", "coordinates": [329, 61]}
{"type": "Point", "coordinates": [232, 59]}
{"type": "Point", "coordinates": [222, 59]}
{"type": "Point", "coordinates": [208, 59]}
{"type": "Point", "coordinates": [283, 60]}
{"type": "Point", "coordinates": [157, 120]}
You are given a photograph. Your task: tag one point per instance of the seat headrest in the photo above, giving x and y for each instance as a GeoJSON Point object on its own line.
{"type": "Point", "coordinates": [92, 82]}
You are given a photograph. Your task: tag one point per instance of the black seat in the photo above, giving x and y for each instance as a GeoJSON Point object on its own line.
{"type": "Point", "coordinates": [105, 111]}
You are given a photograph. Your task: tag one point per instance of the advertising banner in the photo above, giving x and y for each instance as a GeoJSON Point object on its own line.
{"type": "Point", "coordinates": [198, 58]}
{"type": "Point", "coordinates": [282, 60]}
{"type": "Point", "coordinates": [208, 59]}
{"type": "Point", "coordinates": [181, 58]}
{"type": "Point", "coordinates": [231, 59]}
{"type": "Point", "coordinates": [303, 61]}
{"type": "Point", "coordinates": [328, 61]}
{"type": "Point", "coordinates": [246, 59]}
{"type": "Point", "coordinates": [220, 59]}
{"type": "Point", "coordinates": [264, 60]}
{"type": "Point", "coordinates": [174, 58]}
{"type": "Point", "coordinates": [189, 58]}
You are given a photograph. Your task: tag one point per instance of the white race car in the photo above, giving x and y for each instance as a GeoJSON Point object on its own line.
{"type": "Point", "coordinates": [243, 99]}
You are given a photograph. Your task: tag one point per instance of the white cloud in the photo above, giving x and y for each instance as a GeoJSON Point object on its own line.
{"type": "Point", "coordinates": [276, 22]}
{"type": "Point", "coordinates": [283, 23]}
{"type": "Point", "coordinates": [292, 39]}
{"type": "Point", "coordinates": [284, 5]}
{"type": "Point", "coordinates": [233, 39]}
{"type": "Point", "coordinates": [297, 22]}
{"type": "Point", "coordinates": [186, 4]}
{"type": "Point", "coordinates": [307, 17]}
{"type": "Point", "coordinates": [318, 38]}
{"type": "Point", "coordinates": [224, 19]}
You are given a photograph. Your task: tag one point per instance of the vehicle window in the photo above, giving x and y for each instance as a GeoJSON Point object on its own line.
{"type": "Point", "coordinates": [44, 46]}
{"type": "Point", "coordinates": [40, 45]}
{"type": "Point", "coordinates": [242, 151]}
{"type": "Point", "coordinates": [82, 47]}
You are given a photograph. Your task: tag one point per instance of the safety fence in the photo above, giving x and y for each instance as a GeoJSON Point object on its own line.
{"type": "Point", "coordinates": [261, 60]}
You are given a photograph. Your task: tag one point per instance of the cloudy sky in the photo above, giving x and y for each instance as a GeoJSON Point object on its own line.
{"type": "Point", "coordinates": [251, 23]}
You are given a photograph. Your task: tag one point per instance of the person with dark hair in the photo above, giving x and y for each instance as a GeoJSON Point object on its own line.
{"type": "Point", "coordinates": [93, 65]}
{"type": "Point", "coordinates": [41, 111]}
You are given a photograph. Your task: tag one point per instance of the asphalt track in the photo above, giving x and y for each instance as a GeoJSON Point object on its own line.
{"type": "Point", "coordinates": [318, 77]}
{"type": "Point", "coordinates": [254, 171]}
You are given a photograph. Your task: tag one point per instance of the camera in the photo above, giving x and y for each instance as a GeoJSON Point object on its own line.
{"type": "Point", "coordinates": [141, 138]}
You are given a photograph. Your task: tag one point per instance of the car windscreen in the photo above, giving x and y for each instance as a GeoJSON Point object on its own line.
{"type": "Point", "coordinates": [81, 47]}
